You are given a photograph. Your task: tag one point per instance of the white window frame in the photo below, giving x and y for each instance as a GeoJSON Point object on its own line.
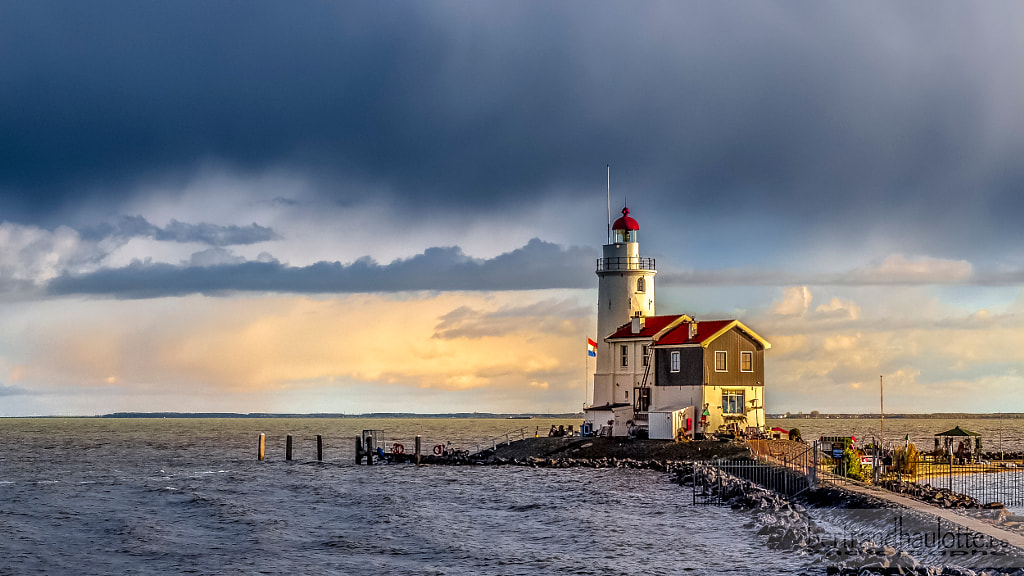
{"type": "Point", "coordinates": [643, 351]}
{"type": "Point", "coordinates": [746, 354]}
{"type": "Point", "coordinates": [725, 361]}
{"type": "Point", "coordinates": [740, 404]}
{"type": "Point", "coordinates": [674, 362]}
{"type": "Point", "coordinates": [624, 353]}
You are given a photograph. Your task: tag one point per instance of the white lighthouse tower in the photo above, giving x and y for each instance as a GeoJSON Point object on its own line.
{"type": "Point", "coordinates": [625, 293]}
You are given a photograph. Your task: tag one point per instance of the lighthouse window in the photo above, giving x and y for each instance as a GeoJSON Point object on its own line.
{"type": "Point", "coordinates": [640, 284]}
{"type": "Point", "coordinates": [625, 354]}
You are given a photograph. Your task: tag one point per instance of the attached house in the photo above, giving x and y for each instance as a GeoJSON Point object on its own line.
{"type": "Point", "coordinates": [712, 368]}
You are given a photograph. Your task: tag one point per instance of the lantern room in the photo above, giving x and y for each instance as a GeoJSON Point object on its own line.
{"type": "Point", "coordinates": [624, 229]}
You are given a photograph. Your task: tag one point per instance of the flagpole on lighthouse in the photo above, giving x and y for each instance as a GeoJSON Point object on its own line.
{"type": "Point", "coordinates": [609, 167]}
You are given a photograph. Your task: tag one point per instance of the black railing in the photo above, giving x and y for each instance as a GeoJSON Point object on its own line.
{"type": "Point", "coordinates": [624, 263]}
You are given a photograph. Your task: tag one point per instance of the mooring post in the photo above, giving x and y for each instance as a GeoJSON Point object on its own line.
{"type": "Point", "coordinates": [319, 448]}
{"type": "Point", "coordinates": [288, 447]}
{"type": "Point", "coordinates": [369, 450]}
{"type": "Point", "coordinates": [359, 450]}
{"type": "Point", "coordinates": [418, 443]}
{"type": "Point", "coordinates": [262, 449]}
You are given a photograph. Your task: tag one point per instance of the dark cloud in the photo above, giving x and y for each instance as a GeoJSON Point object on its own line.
{"type": "Point", "coordinates": [204, 233]}
{"type": "Point", "coordinates": [12, 390]}
{"type": "Point", "coordinates": [834, 118]}
{"type": "Point", "coordinates": [537, 265]}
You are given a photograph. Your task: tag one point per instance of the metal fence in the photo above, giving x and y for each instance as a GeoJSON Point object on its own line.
{"type": "Point", "coordinates": [985, 481]}
{"type": "Point", "coordinates": [788, 480]}
{"type": "Point", "coordinates": [791, 468]}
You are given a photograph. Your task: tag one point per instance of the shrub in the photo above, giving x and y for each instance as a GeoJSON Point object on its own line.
{"type": "Point", "coordinates": [794, 434]}
{"type": "Point", "coordinates": [905, 460]}
{"type": "Point", "coordinates": [849, 466]}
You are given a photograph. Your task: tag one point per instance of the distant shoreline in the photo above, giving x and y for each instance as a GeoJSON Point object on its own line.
{"type": "Point", "coordinates": [455, 415]}
{"type": "Point", "coordinates": [525, 415]}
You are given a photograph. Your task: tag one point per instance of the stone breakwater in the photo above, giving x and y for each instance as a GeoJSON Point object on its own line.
{"type": "Point", "coordinates": [567, 452]}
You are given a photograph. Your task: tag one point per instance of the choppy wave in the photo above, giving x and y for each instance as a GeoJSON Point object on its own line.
{"type": "Point", "coordinates": [167, 497]}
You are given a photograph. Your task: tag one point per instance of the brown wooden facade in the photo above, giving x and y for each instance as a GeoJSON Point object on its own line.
{"type": "Point", "coordinates": [697, 363]}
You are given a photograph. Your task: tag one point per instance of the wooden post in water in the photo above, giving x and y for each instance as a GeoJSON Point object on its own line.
{"type": "Point", "coordinates": [319, 448]}
{"type": "Point", "coordinates": [261, 451]}
{"type": "Point", "coordinates": [359, 450]}
{"type": "Point", "coordinates": [288, 448]}
{"type": "Point", "coordinates": [369, 450]}
{"type": "Point", "coordinates": [418, 443]}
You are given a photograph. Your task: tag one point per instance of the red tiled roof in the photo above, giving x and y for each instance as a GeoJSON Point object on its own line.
{"type": "Point", "coordinates": [652, 325]}
{"type": "Point", "coordinates": [705, 330]}
{"type": "Point", "coordinates": [680, 334]}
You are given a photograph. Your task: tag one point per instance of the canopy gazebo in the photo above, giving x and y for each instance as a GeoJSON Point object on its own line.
{"type": "Point", "coordinates": [967, 443]}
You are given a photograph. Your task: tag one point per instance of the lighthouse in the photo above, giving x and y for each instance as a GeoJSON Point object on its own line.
{"type": "Point", "coordinates": [625, 293]}
{"type": "Point", "coordinates": [666, 377]}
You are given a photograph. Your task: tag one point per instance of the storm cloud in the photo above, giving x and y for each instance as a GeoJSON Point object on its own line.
{"type": "Point", "coordinates": [826, 116]}
{"type": "Point", "coordinates": [537, 265]}
{"type": "Point", "coordinates": [136, 226]}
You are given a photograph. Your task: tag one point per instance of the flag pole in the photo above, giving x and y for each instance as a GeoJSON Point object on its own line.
{"type": "Point", "coordinates": [609, 167]}
{"type": "Point", "coordinates": [586, 377]}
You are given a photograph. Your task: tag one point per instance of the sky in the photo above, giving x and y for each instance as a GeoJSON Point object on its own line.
{"type": "Point", "coordinates": [396, 207]}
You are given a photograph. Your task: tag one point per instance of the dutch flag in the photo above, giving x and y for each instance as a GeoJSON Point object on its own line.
{"type": "Point", "coordinates": [591, 347]}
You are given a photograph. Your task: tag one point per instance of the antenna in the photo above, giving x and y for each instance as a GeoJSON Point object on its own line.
{"type": "Point", "coordinates": [609, 167]}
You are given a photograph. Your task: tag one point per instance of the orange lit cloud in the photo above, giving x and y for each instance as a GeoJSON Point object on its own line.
{"type": "Point", "coordinates": [448, 342]}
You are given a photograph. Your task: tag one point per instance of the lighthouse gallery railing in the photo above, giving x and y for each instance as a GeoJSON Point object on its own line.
{"type": "Point", "coordinates": [624, 263]}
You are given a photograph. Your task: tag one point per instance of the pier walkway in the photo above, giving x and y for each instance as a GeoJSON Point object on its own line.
{"type": "Point", "coordinates": [1011, 538]}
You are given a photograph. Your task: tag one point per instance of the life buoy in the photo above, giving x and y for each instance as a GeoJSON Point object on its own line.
{"type": "Point", "coordinates": [438, 450]}
{"type": "Point", "coordinates": [397, 448]}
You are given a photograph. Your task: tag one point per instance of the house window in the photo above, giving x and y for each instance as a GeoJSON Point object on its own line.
{"type": "Point", "coordinates": [720, 361]}
{"type": "Point", "coordinates": [625, 354]}
{"type": "Point", "coordinates": [675, 361]}
{"type": "Point", "coordinates": [746, 361]}
{"type": "Point", "coordinates": [645, 351]}
{"type": "Point", "coordinates": [640, 284]}
{"type": "Point", "coordinates": [732, 402]}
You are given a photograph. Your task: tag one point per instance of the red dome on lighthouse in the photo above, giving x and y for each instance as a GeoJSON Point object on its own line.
{"type": "Point", "coordinates": [625, 223]}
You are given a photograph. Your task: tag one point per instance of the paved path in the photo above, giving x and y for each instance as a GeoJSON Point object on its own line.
{"type": "Point", "coordinates": [1011, 538]}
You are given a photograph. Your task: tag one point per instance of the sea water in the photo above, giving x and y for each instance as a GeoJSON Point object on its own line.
{"type": "Point", "coordinates": [155, 496]}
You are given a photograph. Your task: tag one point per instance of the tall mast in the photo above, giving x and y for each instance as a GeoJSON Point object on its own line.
{"type": "Point", "coordinates": [609, 167]}
{"type": "Point", "coordinates": [881, 408]}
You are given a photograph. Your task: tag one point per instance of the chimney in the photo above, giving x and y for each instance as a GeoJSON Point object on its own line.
{"type": "Point", "coordinates": [638, 324]}
{"type": "Point", "coordinates": [693, 329]}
